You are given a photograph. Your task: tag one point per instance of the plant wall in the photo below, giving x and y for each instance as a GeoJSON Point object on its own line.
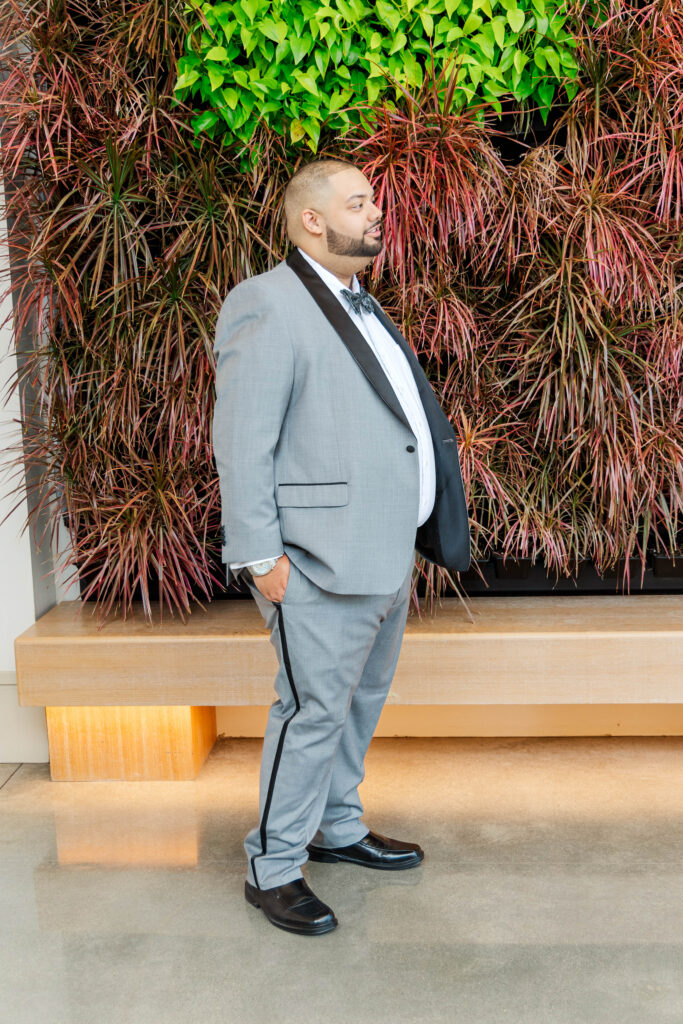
{"type": "Point", "coordinates": [145, 150]}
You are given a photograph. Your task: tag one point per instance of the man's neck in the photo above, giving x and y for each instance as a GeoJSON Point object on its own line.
{"type": "Point", "coordinates": [346, 279]}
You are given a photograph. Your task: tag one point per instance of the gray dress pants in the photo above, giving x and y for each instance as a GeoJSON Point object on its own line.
{"type": "Point", "coordinates": [337, 654]}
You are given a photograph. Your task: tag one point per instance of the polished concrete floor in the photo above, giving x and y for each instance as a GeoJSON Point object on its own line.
{"type": "Point", "coordinates": [551, 893]}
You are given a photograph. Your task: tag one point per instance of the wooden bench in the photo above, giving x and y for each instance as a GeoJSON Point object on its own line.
{"type": "Point", "coordinates": [138, 701]}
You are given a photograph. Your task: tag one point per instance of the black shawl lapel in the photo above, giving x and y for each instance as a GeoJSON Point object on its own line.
{"type": "Point", "coordinates": [347, 331]}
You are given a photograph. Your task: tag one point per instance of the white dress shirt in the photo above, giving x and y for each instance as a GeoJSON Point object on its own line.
{"type": "Point", "coordinates": [400, 376]}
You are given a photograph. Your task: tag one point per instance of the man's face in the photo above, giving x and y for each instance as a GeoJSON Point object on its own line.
{"type": "Point", "coordinates": [351, 217]}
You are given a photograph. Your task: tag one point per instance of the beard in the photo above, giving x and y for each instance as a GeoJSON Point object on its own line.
{"type": "Point", "coordinates": [345, 245]}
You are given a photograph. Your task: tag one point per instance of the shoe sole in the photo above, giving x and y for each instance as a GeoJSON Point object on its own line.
{"type": "Point", "coordinates": [320, 930]}
{"type": "Point", "coordinates": [332, 858]}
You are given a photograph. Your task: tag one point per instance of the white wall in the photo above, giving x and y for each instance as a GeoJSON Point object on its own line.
{"type": "Point", "coordinates": [28, 584]}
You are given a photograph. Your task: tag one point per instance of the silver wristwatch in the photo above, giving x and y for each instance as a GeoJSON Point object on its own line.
{"type": "Point", "coordinates": [261, 568]}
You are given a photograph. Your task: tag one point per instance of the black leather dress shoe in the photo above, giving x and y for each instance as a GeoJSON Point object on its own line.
{"type": "Point", "coordinates": [372, 851]}
{"type": "Point", "coordinates": [293, 906]}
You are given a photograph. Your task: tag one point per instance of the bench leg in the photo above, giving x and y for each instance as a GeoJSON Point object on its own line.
{"type": "Point", "coordinates": [129, 743]}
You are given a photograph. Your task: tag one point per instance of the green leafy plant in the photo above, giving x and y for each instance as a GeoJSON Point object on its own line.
{"type": "Point", "coordinates": [297, 66]}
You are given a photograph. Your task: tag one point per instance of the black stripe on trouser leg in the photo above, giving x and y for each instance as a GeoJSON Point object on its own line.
{"type": "Point", "coordinates": [280, 742]}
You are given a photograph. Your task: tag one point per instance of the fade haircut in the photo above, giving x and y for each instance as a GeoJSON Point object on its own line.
{"type": "Point", "coordinates": [308, 187]}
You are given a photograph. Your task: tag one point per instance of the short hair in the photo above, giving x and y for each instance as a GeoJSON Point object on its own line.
{"type": "Point", "coordinates": [308, 186]}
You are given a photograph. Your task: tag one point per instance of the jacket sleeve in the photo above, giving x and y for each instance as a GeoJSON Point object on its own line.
{"type": "Point", "coordinates": [254, 379]}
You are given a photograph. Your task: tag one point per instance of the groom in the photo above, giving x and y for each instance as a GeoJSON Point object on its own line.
{"type": "Point", "coordinates": [335, 463]}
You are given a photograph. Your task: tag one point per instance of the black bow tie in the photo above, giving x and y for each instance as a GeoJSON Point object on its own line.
{"type": "Point", "coordinates": [359, 300]}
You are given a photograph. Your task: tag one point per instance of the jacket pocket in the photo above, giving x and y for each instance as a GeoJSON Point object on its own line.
{"type": "Point", "coordinates": [312, 495]}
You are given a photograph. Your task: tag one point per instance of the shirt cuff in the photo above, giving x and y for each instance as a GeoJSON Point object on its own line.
{"type": "Point", "coordinates": [240, 565]}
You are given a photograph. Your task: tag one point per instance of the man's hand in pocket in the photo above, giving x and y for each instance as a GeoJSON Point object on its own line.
{"type": "Point", "coordinates": [273, 584]}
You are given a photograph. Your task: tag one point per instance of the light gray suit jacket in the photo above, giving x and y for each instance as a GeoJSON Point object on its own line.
{"type": "Point", "coordinates": [312, 446]}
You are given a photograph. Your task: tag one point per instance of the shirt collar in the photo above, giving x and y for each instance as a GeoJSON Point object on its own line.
{"type": "Point", "coordinates": [330, 279]}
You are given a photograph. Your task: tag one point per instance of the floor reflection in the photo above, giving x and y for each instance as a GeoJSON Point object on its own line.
{"type": "Point", "coordinates": [550, 892]}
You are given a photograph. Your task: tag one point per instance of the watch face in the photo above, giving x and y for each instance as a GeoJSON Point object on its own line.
{"type": "Point", "coordinates": [264, 568]}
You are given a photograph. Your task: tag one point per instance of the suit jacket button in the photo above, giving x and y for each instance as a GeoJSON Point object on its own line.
{"type": "Point", "coordinates": [410, 448]}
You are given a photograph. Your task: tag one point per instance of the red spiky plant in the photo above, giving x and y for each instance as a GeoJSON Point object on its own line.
{"type": "Point", "coordinates": [541, 296]}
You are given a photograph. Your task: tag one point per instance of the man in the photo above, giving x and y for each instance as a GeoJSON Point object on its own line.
{"type": "Point", "coordinates": [335, 461]}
